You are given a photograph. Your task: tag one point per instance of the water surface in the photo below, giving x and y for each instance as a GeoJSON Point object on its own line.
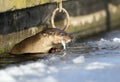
{"type": "Point", "coordinates": [92, 60]}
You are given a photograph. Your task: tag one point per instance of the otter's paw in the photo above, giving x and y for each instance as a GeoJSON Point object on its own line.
{"type": "Point", "coordinates": [54, 50]}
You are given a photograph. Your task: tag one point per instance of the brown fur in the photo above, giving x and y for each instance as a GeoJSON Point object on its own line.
{"type": "Point", "coordinates": [42, 42]}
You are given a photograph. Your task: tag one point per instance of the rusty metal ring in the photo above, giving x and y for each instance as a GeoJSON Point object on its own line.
{"type": "Point", "coordinates": [53, 16]}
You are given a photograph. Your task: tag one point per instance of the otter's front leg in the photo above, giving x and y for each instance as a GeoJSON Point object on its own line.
{"type": "Point", "coordinates": [54, 50]}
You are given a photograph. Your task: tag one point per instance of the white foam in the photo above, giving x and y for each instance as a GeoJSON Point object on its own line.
{"type": "Point", "coordinates": [6, 77]}
{"type": "Point", "coordinates": [79, 59]}
{"type": "Point", "coordinates": [116, 40]}
{"type": "Point", "coordinates": [108, 44]}
{"type": "Point", "coordinates": [97, 65]}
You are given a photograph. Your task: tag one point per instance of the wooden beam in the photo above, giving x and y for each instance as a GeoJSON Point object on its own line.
{"type": "Point", "coordinates": [10, 5]}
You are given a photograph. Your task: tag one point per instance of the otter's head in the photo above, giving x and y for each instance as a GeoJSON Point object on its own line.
{"type": "Point", "coordinates": [57, 36]}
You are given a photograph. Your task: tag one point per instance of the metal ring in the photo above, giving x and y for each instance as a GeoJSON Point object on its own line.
{"type": "Point", "coordinates": [53, 16]}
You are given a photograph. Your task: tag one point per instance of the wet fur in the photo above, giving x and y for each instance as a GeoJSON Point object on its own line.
{"type": "Point", "coordinates": [41, 42]}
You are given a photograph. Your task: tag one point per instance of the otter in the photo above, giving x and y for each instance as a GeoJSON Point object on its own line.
{"type": "Point", "coordinates": [42, 42]}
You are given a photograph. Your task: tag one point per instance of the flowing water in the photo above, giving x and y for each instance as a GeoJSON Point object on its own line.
{"type": "Point", "coordinates": [96, 59]}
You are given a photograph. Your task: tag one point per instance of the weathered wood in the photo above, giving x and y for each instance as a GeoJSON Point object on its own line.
{"type": "Point", "coordinates": [10, 5]}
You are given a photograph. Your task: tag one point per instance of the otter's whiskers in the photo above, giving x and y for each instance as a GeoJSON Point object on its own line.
{"type": "Point", "coordinates": [63, 44]}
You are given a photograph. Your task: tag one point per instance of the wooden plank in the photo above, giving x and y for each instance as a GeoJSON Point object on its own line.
{"type": "Point", "coordinates": [10, 5]}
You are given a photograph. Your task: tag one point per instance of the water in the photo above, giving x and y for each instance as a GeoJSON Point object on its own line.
{"type": "Point", "coordinates": [63, 44]}
{"type": "Point", "coordinates": [87, 46]}
{"type": "Point", "coordinates": [97, 59]}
